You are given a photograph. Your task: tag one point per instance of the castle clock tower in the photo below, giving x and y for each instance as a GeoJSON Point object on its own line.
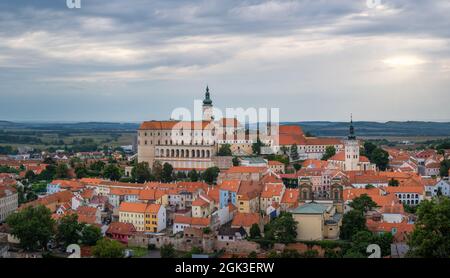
{"type": "Point", "coordinates": [207, 107]}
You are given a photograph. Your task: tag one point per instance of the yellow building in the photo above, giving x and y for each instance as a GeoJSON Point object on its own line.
{"type": "Point", "coordinates": [155, 218]}
{"type": "Point", "coordinates": [317, 221]}
{"type": "Point", "coordinates": [133, 213]}
{"type": "Point", "coordinates": [149, 218]}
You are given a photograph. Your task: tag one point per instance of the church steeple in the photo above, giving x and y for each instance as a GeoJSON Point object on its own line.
{"type": "Point", "coordinates": [351, 135]}
{"type": "Point", "coordinates": [207, 100]}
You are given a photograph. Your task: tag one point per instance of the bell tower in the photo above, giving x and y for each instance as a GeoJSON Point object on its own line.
{"type": "Point", "coordinates": [351, 149]}
{"type": "Point", "coordinates": [207, 107]}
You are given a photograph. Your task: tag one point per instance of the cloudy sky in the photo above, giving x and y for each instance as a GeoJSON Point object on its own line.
{"type": "Point", "coordinates": [114, 60]}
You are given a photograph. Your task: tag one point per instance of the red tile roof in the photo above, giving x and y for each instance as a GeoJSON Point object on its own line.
{"type": "Point", "coordinates": [132, 207]}
{"type": "Point", "coordinates": [245, 219]}
{"type": "Point", "coordinates": [120, 228]}
{"type": "Point", "coordinates": [169, 125]}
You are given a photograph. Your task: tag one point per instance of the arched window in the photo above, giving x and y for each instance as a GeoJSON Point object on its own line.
{"type": "Point", "coordinates": [172, 153]}
{"type": "Point", "coordinates": [203, 153]}
{"type": "Point", "coordinates": [193, 153]}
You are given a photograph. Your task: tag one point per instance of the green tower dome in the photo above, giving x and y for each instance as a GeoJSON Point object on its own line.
{"type": "Point", "coordinates": [207, 100]}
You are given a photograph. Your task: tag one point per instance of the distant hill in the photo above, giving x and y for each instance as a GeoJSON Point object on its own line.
{"type": "Point", "coordinates": [317, 128]}
{"type": "Point", "coordinates": [410, 128]}
{"type": "Point", "coordinates": [73, 127]}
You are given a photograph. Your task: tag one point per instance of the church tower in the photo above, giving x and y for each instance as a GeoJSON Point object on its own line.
{"type": "Point", "coordinates": [207, 107]}
{"type": "Point", "coordinates": [351, 150]}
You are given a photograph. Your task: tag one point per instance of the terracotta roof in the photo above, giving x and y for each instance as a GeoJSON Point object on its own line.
{"type": "Point", "coordinates": [195, 221]}
{"type": "Point", "coordinates": [124, 191]}
{"type": "Point", "coordinates": [213, 193]}
{"type": "Point", "coordinates": [275, 163]}
{"type": "Point", "coordinates": [91, 180]}
{"type": "Point", "coordinates": [249, 190]}
{"type": "Point", "coordinates": [314, 163]}
{"type": "Point", "coordinates": [405, 189]}
{"type": "Point", "coordinates": [340, 156]}
{"type": "Point", "coordinates": [120, 228]}
{"type": "Point", "coordinates": [230, 185]}
{"type": "Point", "coordinates": [153, 208]}
{"type": "Point", "coordinates": [291, 139]}
{"type": "Point", "coordinates": [323, 141]}
{"type": "Point", "coordinates": [199, 202]}
{"type": "Point", "coordinates": [56, 198]}
{"type": "Point", "coordinates": [86, 214]}
{"type": "Point", "coordinates": [271, 178]}
{"type": "Point", "coordinates": [402, 229]}
{"type": "Point", "coordinates": [132, 207]}
{"type": "Point", "coordinates": [169, 125]}
{"type": "Point", "coordinates": [290, 129]}
{"type": "Point", "coordinates": [87, 194]}
{"type": "Point", "coordinates": [271, 190]}
{"type": "Point", "coordinates": [245, 219]}
{"type": "Point", "coordinates": [150, 194]}
{"type": "Point", "coordinates": [290, 196]}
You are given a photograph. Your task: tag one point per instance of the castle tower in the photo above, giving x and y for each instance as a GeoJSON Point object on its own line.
{"type": "Point", "coordinates": [351, 149]}
{"type": "Point", "coordinates": [207, 107]}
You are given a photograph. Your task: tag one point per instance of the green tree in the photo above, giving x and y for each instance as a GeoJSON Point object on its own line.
{"type": "Point", "coordinates": [141, 173]}
{"type": "Point", "coordinates": [107, 248]}
{"type": "Point", "coordinates": [167, 173]}
{"type": "Point", "coordinates": [352, 222]}
{"type": "Point", "coordinates": [225, 150]}
{"type": "Point", "coordinates": [235, 161]}
{"type": "Point", "coordinates": [193, 175]}
{"type": "Point", "coordinates": [431, 236]}
{"type": "Point", "coordinates": [210, 175]}
{"type": "Point", "coordinates": [181, 175]}
{"type": "Point", "coordinates": [381, 158]}
{"type": "Point", "coordinates": [48, 174]}
{"type": "Point", "coordinates": [255, 232]}
{"type": "Point", "coordinates": [282, 229]}
{"type": "Point", "coordinates": [297, 166]}
{"type": "Point", "coordinates": [445, 166]}
{"type": "Point", "coordinates": [384, 240]}
{"type": "Point", "coordinates": [90, 235]}
{"type": "Point", "coordinates": [253, 255]}
{"type": "Point", "coordinates": [393, 182]}
{"type": "Point", "coordinates": [294, 152]}
{"type": "Point", "coordinates": [97, 166]}
{"type": "Point", "coordinates": [330, 151]}
{"type": "Point", "coordinates": [81, 171]}
{"type": "Point", "coordinates": [368, 149]}
{"type": "Point", "coordinates": [157, 170]}
{"type": "Point", "coordinates": [30, 176]}
{"type": "Point", "coordinates": [62, 172]}
{"type": "Point", "coordinates": [363, 203]}
{"type": "Point", "coordinates": [112, 172]}
{"type": "Point", "coordinates": [167, 251]}
{"type": "Point", "coordinates": [69, 230]}
{"type": "Point", "coordinates": [32, 226]}
{"type": "Point", "coordinates": [256, 147]}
